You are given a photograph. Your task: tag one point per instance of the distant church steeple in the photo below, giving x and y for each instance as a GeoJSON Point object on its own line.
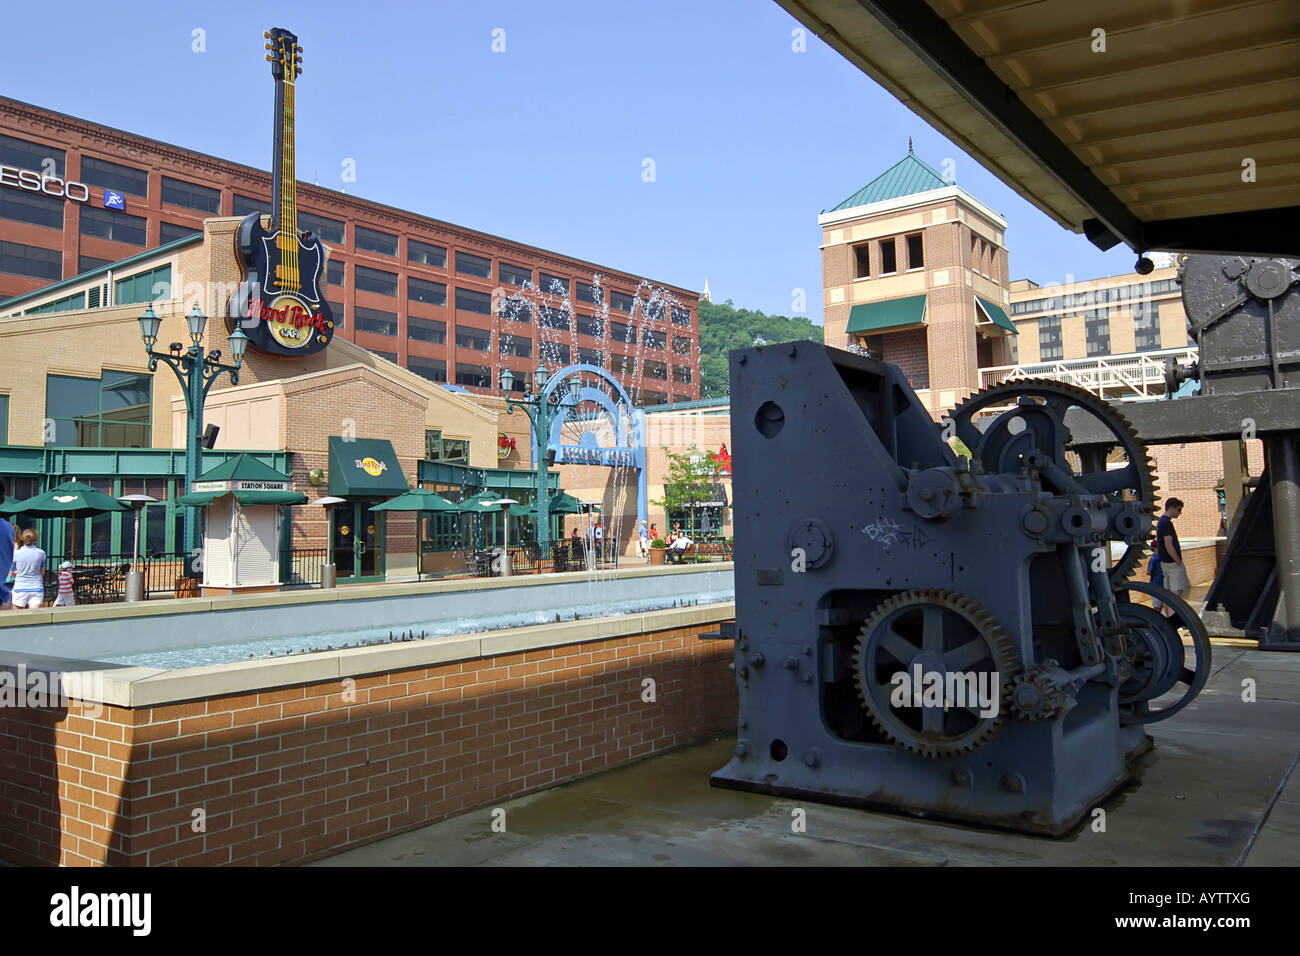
{"type": "Point", "coordinates": [706, 296]}
{"type": "Point", "coordinates": [909, 145]}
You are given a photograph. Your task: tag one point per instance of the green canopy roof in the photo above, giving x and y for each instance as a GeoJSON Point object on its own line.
{"type": "Point", "coordinates": [906, 177]}
{"type": "Point", "coordinates": [481, 503]}
{"type": "Point", "coordinates": [243, 468]}
{"type": "Point", "coordinates": [201, 499]}
{"type": "Point", "coordinates": [419, 499]}
{"type": "Point", "coordinates": [366, 468]}
{"type": "Point", "coordinates": [71, 498]}
{"type": "Point", "coordinates": [892, 313]}
{"type": "Point", "coordinates": [995, 314]}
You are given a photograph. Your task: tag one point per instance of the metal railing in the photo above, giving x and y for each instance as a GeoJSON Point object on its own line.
{"type": "Point", "coordinates": [303, 566]}
{"type": "Point", "coordinates": [1110, 376]}
{"type": "Point", "coordinates": [101, 578]}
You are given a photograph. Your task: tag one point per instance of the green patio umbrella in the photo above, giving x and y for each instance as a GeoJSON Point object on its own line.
{"type": "Point", "coordinates": [565, 504]}
{"type": "Point", "coordinates": [482, 503]}
{"type": "Point", "coordinates": [72, 499]}
{"type": "Point", "coordinates": [418, 499]}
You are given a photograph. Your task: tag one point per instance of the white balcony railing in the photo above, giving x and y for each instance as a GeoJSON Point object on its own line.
{"type": "Point", "coordinates": [1134, 376]}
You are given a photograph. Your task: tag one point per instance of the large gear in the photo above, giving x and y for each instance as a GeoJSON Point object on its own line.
{"type": "Point", "coordinates": [1034, 696]}
{"type": "Point", "coordinates": [938, 631]}
{"type": "Point", "coordinates": [998, 449]}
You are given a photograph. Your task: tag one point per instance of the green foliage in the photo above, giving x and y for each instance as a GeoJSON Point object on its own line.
{"type": "Point", "coordinates": [725, 327]}
{"type": "Point", "coordinates": [689, 480]}
{"type": "Point", "coordinates": [659, 543]}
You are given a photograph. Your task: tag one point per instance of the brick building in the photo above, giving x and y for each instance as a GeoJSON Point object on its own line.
{"type": "Point", "coordinates": [451, 304]}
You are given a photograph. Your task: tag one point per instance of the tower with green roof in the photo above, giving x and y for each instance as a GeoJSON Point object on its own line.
{"type": "Point", "coordinates": [914, 269]}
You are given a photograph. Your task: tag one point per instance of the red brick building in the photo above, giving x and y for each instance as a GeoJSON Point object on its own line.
{"type": "Point", "coordinates": [429, 295]}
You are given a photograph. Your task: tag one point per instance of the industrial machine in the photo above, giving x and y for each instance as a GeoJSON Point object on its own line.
{"type": "Point", "coordinates": [941, 633]}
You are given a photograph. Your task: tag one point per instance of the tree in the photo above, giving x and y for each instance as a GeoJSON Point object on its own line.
{"type": "Point", "coordinates": [724, 327]}
{"type": "Point", "coordinates": [690, 479]}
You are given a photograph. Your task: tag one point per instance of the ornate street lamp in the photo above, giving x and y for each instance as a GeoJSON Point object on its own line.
{"type": "Point", "coordinates": [540, 414]}
{"type": "Point", "coordinates": [196, 373]}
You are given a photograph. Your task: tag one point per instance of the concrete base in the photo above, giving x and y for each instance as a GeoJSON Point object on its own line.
{"type": "Point", "coordinates": [211, 591]}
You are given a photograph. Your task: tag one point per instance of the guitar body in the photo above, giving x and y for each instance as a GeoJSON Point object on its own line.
{"type": "Point", "coordinates": [279, 315]}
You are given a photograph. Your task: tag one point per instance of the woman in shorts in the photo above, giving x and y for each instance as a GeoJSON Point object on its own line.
{"type": "Point", "coordinates": [29, 572]}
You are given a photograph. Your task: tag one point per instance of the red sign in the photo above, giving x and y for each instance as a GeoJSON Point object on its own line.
{"type": "Point", "coordinates": [724, 460]}
{"type": "Point", "coordinates": [294, 315]}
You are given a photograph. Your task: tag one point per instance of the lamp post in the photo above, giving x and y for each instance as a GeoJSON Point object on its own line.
{"type": "Point", "coordinates": [540, 414]}
{"type": "Point", "coordinates": [196, 373]}
{"type": "Point", "coordinates": [134, 579]}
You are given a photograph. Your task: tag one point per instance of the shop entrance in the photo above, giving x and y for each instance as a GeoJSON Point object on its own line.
{"type": "Point", "coordinates": [358, 534]}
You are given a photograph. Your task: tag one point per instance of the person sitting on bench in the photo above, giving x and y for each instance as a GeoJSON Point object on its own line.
{"type": "Point", "coordinates": [677, 550]}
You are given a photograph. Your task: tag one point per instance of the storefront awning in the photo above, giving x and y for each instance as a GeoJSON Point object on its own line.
{"type": "Point", "coordinates": [200, 499]}
{"type": "Point", "coordinates": [995, 314]}
{"type": "Point", "coordinates": [890, 314]}
{"type": "Point", "coordinates": [365, 468]}
{"type": "Point", "coordinates": [270, 497]}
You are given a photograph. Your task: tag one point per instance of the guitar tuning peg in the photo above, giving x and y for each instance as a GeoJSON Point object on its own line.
{"type": "Point", "coordinates": [266, 34]}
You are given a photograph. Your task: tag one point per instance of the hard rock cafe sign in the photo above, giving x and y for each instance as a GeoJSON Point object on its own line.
{"type": "Point", "coordinates": [505, 445]}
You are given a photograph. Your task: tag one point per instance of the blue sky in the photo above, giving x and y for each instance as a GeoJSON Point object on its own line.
{"type": "Point", "coordinates": [545, 142]}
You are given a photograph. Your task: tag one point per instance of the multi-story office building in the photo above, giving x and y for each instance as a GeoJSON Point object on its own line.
{"type": "Point", "coordinates": [449, 303]}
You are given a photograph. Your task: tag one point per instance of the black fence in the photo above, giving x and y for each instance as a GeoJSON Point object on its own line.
{"type": "Point", "coordinates": [101, 578]}
{"type": "Point", "coordinates": [303, 566]}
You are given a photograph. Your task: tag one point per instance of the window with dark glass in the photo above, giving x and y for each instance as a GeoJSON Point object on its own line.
{"type": "Point", "coordinates": [682, 345]}
{"type": "Point", "coordinates": [148, 286]}
{"type": "Point", "coordinates": [862, 261]}
{"type": "Point", "coordinates": [329, 230]}
{"type": "Point", "coordinates": [654, 310]}
{"type": "Point", "coordinates": [681, 398]}
{"type": "Point", "coordinates": [621, 301]}
{"type": "Point", "coordinates": [589, 293]}
{"type": "Point", "coordinates": [108, 224]}
{"type": "Point", "coordinates": [90, 263]}
{"type": "Point", "coordinates": [375, 321]}
{"type": "Point", "coordinates": [372, 240]}
{"type": "Point", "coordinates": [69, 303]}
{"type": "Point", "coordinates": [516, 310]}
{"type": "Point", "coordinates": [552, 285]}
{"type": "Point", "coordinates": [654, 340]}
{"type": "Point", "coordinates": [591, 357]}
{"type": "Point", "coordinates": [170, 232]}
{"type": "Point", "coordinates": [1049, 338]}
{"type": "Point", "coordinates": [470, 338]}
{"type": "Point", "coordinates": [514, 275]}
{"type": "Point", "coordinates": [455, 449]}
{"type": "Point", "coordinates": [178, 192]}
{"type": "Point", "coordinates": [387, 356]}
{"type": "Point", "coordinates": [426, 254]}
{"type": "Point", "coordinates": [33, 156]}
{"type": "Point", "coordinates": [555, 353]}
{"type": "Point", "coordinates": [335, 273]}
{"type": "Point", "coordinates": [888, 256]}
{"type": "Point", "coordinates": [336, 310]}
{"type": "Point", "coordinates": [915, 251]}
{"type": "Point", "coordinates": [422, 290]}
{"type": "Point", "coordinates": [435, 370]}
{"type": "Point", "coordinates": [649, 397]}
{"type": "Point", "coordinates": [622, 332]}
{"type": "Point", "coordinates": [1146, 325]}
{"type": "Point", "coordinates": [622, 364]}
{"type": "Point", "coordinates": [473, 376]}
{"type": "Point", "coordinates": [123, 179]}
{"type": "Point", "coordinates": [20, 260]}
{"type": "Point", "coordinates": [243, 205]}
{"type": "Point", "coordinates": [472, 265]}
{"type": "Point", "coordinates": [426, 330]}
{"type": "Point", "coordinates": [681, 374]}
{"type": "Point", "coordinates": [112, 411]}
{"type": "Point", "coordinates": [516, 345]}
{"type": "Point", "coordinates": [467, 300]}
{"type": "Point", "coordinates": [680, 316]}
{"type": "Point", "coordinates": [35, 209]}
{"type": "Point", "coordinates": [552, 318]}
{"type": "Point", "coordinates": [653, 369]}
{"type": "Point", "coordinates": [375, 280]}
{"type": "Point", "coordinates": [4, 419]}
{"type": "Point", "coordinates": [590, 326]}
{"type": "Point", "coordinates": [1097, 332]}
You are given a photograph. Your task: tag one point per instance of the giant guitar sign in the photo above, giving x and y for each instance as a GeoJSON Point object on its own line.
{"type": "Point", "coordinates": [281, 303]}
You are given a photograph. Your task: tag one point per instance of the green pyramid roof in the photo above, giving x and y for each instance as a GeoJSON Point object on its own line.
{"type": "Point", "coordinates": [906, 177]}
{"type": "Point", "coordinates": [243, 468]}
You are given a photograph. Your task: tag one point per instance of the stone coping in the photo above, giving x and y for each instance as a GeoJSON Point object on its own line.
{"type": "Point", "coordinates": [352, 592]}
{"type": "Point", "coordinates": [137, 687]}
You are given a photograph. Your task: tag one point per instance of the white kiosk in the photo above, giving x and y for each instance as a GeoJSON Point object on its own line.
{"type": "Point", "coordinates": [241, 535]}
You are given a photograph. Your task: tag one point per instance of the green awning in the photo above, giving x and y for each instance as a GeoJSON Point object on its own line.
{"type": "Point", "coordinates": [995, 314]}
{"type": "Point", "coordinates": [270, 497]}
{"type": "Point", "coordinates": [243, 468]}
{"type": "Point", "coordinates": [200, 499]}
{"type": "Point", "coordinates": [892, 313]}
{"type": "Point", "coordinates": [366, 468]}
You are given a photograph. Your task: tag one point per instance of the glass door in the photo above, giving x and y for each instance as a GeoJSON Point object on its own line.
{"type": "Point", "coordinates": [358, 543]}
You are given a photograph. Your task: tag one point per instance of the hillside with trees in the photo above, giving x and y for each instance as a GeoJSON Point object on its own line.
{"type": "Point", "coordinates": [724, 327]}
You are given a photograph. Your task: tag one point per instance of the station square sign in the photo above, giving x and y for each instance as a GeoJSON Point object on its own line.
{"type": "Point", "coordinates": [610, 457]}
{"type": "Point", "coordinates": [241, 486]}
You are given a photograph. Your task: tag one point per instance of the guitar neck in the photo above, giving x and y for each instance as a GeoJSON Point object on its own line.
{"type": "Point", "coordinates": [285, 193]}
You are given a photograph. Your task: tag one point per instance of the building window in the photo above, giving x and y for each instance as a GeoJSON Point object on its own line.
{"type": "Point", "coordinates": [915, 252]}
{"type": "Point", "coordinates": [331, 230]}
{"type": "Point", "coordinates": [435, 370]}
{"type": "Point", "coordinates": [553, 285]}
{"type": "Point", "coordinates": [336, 310]}
{"type": "Point", "coordinates": [386, 356]}
{"type": "Point", "coordinates": [170, 232]}
{"type": "Point", "coordinates": [590, 326]}
{"type": "Point", "coordinates": [471, 265]}
{"type": "Point", "coordinates": [118, 226]}
{"type": "Point", "coordinates": [621, 301]}
{"type": "Point", "coordinates": [69, 303]}
{"type": "Point", "coordinates": [33, 156]}
{"type": "Point", "coordinates": [372, 240]}
{"type": "Point", "coordinates": [147, 286]}
{"type": "Point", "coordinates": [191, 195]}
{"type": "Point", "coordinates": [648, 397]}
{"type": "Point", "coordinates": [589, 293]}
{"type": "Point", "coordinates": [432, 445]}
{"type": "Point", "coordinates": [622, 332]}
{"type": "Point", "coordinates": [245, 205]}
{"type": "Point", "coordinates": [473, 376]}
{"type": "Point", "coordinates": [437, 448]}
{"type": "Point", "coordinates": [17, 259]}
{"type": "Point", "coordinates": [1049, 338]}
{"type": "Point", "coordinates": [480, 340]}
{"type": "Point", "coordinates": [1146, 325]}
{"type": "Point", "coordinates": [523, 382]}
{"type": "Point", "coordinates": [516, 310]}
{"type": "Point", "coordinates": [374, 321]}
{"type": "Point", "coordinates": [33, 208]}
{"type": "Point", "coordinates": [681, 316]}
{"type": "Point", "coordinates": [514, 275]}
{"type": "Point", "coordinates": [112, 411]}
{"type": "Point", "coordinates": [467, 300]}
{"type": "Point", "coordinates": [682, 374]}
{"type": "Point", "coordinates": [654, 340]}
{"type": "Point", "coordinates": [426, 254]}
{"type": "Point", "coordinates": [123, 179]}
{"type": "Point", "coordinates": [4, 419]}
{"type": "Point", "coordinates": [622, 365]}
{"type": "Point", "coordinates": [1097, 332]}
{"type": "Point", "coordinates": [591, 357]}
{"type": "Point", "coordinates": [516, 345]}
{"type": "Point", "coordinates": [888, 256]}
{"type": "Point", "coordinates": [422, 290]}
{"type": "Point", "coordinates": [554, 352]}
{"type": "Point", "coordinates": [335, 273]}
{"type": "Point", "coordinates": [654, 310]}
{"type": "Point", "coordinates": [653, 369]}
{"type": "Point", "coordinates": [862, 261]}
{"type": "Point", "coordinates": [682, 345]}
{"type": "Point", "coordinates": [552, 318]}
{"type": "Point", "coordinates": [90, 263]}
{"type": "Point", "coordinates": [375, 280]}
{"type": "Point", "coordinates": [427, 330]}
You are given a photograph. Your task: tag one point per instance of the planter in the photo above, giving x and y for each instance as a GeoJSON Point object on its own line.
{"type": "Point", "coordinates": [657, 555]}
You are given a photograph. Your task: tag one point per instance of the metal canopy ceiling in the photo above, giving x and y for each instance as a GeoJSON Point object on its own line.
{"type": "Point", "coordinates": [1142, 143]}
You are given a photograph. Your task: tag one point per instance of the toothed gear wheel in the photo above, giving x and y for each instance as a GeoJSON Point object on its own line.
{"type": "Point", "coordinates": [1035, 697]}
{"type": "Point", "coordinates": [941, 632]}
{"type": "Point", "coordinates": [1040, 410]}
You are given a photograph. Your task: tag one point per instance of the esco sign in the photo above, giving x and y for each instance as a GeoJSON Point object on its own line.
{"type": "Point", "coordinates": [36, 182]}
